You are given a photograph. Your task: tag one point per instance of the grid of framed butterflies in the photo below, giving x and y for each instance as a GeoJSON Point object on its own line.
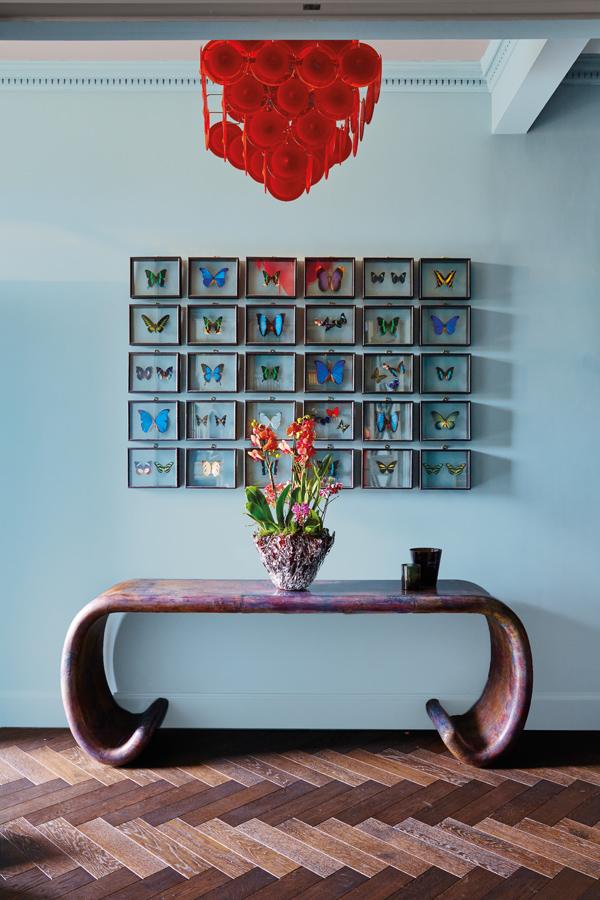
{"type": "Point", "coordinates": [328, 324]}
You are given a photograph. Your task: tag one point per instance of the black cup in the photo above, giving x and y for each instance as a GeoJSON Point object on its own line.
{"type": "Point", "coordinates": [429, 560]}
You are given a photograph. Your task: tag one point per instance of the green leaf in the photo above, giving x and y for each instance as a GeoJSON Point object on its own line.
{"type": "Point", "coordinates": [281, 519]}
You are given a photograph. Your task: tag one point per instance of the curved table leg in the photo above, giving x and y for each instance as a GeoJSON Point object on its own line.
{"type": "Point", "coordinates": [496, 720]}
{"type": "Point", "coordinates": [100, 726]}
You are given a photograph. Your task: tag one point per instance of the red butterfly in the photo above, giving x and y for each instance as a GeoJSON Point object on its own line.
{"type": "Point", "coordinates": [333, 413]}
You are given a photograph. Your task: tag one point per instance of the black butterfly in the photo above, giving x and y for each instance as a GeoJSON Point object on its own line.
{"type": "Point", "coordinates": [398, 278]}
{"type": "Point", "coordinates": [375, 278]}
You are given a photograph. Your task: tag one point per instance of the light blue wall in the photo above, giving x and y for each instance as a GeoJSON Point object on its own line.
{"type": "Point", "coordinates": [88, 179]}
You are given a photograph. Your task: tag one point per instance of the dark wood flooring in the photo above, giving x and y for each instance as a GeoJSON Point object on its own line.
{"type": "Point", "coordinates": [275, 815]}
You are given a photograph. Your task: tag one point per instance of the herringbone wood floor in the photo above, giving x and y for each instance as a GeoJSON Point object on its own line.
{"type": "Point", "coordinates": [277, 815]}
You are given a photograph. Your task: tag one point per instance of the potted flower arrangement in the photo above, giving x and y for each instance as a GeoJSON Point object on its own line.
{"type": "Point", "coordinates": [291, 536]}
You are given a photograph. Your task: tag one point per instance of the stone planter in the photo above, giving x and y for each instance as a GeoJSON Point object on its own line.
{"type": "Point", "coordinates": [293, 560]}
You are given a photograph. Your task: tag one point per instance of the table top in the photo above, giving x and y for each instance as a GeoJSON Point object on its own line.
{"type": "Point", "coordinates": [229, 596]}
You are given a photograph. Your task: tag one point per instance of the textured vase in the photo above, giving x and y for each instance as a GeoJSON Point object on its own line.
{"type": "Point", "coordinates": [293, 560]}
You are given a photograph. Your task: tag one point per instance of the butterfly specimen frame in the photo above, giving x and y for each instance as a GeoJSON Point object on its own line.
{"type": "Point", "coordinates": [444, 279]}
{"type": "Point", "coordinates": [386, 469]}
{"type": "Point", "coordinates": [153, 467]}
{"type": "Point", "coordinates": [255, 472]}
{"type": "Point", "coordinates": [342, 464]}
{"type": "Point", "coordinates": [388, 373]}
{"type": "Point", "coordinates": [275, 414]}
{"type": "Point", "coordinates": [154, 420]}
{"type": "Point", "coordinates": [334, 419]}
{"type": "Point", "coordinates": [154, 373]}
{"type": "Point", "coordinates": [212, 373]}
{"type": "Point", "coordinates": [445, 470]}
{"type": "Point", "coordinates": [212, 467]}
{"type": "Point", "coordinates": [211, 420]}
{"type": "Point", "coordinates": [270, 325]}
{"type": "Point", "coordinates": [388, 420]}
{"type": "Point", "coordinates": [329, 276]}
{"type": "Point", "coordinates": [329, 372]}
{"type": "Point", "coordinates": [212, 324]}
{"type": "Point", "coordinates": [156, 324]}
{"type": "Point", "coordinates": [273, 373]}
{"type": "Point", "coordinates": [445, 420]}
{"type": "Point", "coordinates": [388, 278]}
{"type": "Point", "coordinates": [445, 326]}
{"type": "Point", "coordinates": [157, 277]}
{"type": "Point", "coordinates": [388, 326]}
{"type": "Point", "coordinates": [214, 277]}
{"type": "Point", "coordinates": [445, 373]}
{"type": "Point", "coordinates": [273, 277]}
{"type": "Point", "coordinates": [329, 324]}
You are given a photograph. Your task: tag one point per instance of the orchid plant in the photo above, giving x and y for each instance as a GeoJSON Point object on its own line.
{"type": "Point", "coordinates": [295, 506]}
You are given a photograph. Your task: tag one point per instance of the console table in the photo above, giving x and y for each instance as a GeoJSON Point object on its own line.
{"type": "Point", "coordinates": [115, 736]}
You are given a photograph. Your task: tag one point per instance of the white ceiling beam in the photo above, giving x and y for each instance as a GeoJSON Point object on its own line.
{"type": "Point", "coordinates": [529, 77]}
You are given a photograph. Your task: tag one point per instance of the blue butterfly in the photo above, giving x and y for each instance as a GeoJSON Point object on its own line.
{"type": "Point", "coordinates": [448, 327]}
{"type": "Point", "coordinates": [148, 421]}
{"type": "Point", "coordinates": [208, 279]}
{"type": "Point", "coordinates": [387, 421]}
{"type": "Point", "coordinates": [265, 325]}
{"type": "Point", "coordinates": [216, 373]}
{"type": "Point", "coordinates": [328, 372]}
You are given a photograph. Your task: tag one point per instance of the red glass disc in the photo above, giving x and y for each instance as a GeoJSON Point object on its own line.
{"type": "Point", "coordinates": [247, 46]}
{"type": "Point", "coordinates": [215, 137]}
{"type": "Point", "coordinates": [360, 65]}
{"type": "Point", "coordinates": [288, 161]}
{"type": "Point", "coordinates": [222, 62]}
{"type": "Point", "coordinates": [317, 67]}
{"type": "Point", "coordinates": [235, 152]}
{"type": "Point", "coordinates": [272, 64]}
{"type": "Point", "coordinates": [246, 95]}
{"type": "Point", "coordinates": [342, 148]}
{"type": "Point", "coordinates": [313, 129]}
{"type": "Point", "coordinates": [285, 188]}
{"type": "Point", "coordinates": [292, 97]}
{"type": "Point", "coordinates": [335, 47]}
{"type": "Point", "coordinates": [267, 128]}
{"type": "Point", "coordinates": [369, 103]}
{"type": "Point", "coordinates": [335, 101]}
{"type": "Point", "coordinates": [256, 165]}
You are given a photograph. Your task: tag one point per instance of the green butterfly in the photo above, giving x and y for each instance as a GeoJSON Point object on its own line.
{"type": "Point", "coordinates": [444, 423]}
{"type": "Point", "coordinates": [164, 468]}
{"type": "Point", "coordinates": [156, 278]}
{"type": "Point", "coordinates": [155, 327]}
{"type": "Point", "coordinates": [270, 373]}
{"type": "Point", "coordinates": [388, 327]}
{"type": "Point", "coordinates": [212, 326]}
{"type": "Point", "coordinates": [456, 470]}
{"type": "Point", "coordinates": [432, 469]}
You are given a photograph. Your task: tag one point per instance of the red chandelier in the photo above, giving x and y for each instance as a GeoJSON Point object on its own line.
{"type": "Point", "coordinates": [289, 110]}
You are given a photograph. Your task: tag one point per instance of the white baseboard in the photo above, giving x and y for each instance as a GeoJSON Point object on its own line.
{"type": "Point", "coordinates": [555, 711]}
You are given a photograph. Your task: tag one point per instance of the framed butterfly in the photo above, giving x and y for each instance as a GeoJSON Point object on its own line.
{"type": "Point", "coordinates": [212, 326]}
{"type": "Point", "coordinates": [148, 421]}
{"type": "Point", "coordinates": [378, 376]}
{"type": "Point", "coordinates": [433, 468]}
{"type": "Point", "coordinates": [343, 426]}
{"type": "Point", "coordinates": [211, 468]}
{"type": "Point", "coordinates": [444, 423]}
{"type": "Point", "coordinates": [327, 371]}
{"type": "Point", "coordinates": [387, 468]}
{"type": "Point", "coordinates": [398, 278]}
{"type": "Point", "coordinates": [444, 374]}
{"type": "Point", "coordinates": [271, 279]}
{"type": "Point", "coordinates": [448, 327]}
{"type": "Point", "coordinates": [270, 326]}
{"type": "Point", "coordinates": [456, 470]}
{"type": "Point", "coordinates": [388, 326]}
{"type": "Point", "coordinates": [220, 420]}
{"type": "Point", "coordinates": [396, 371]}
{"type": "Point", "coordinates": [273, 422]}
{"type": "Point", "coordinates": [156, 279]}
{"type": "Point", "coordinates": [270, 373]}
{"type": "Point", "coordinates": [332, 468]}
{"type": "Point", "coordinates": [330, 281]}
{"type": "Point", "coordinates": [143, 373]}
{"type": "Point", "coordinates": [210, 280]}
{"type": "Point", "coordinates": [201, 420]}
{"type": "Point", "coordinates": [155, 327]}
{"type": "Point", "coordinates": [263, 467]}
{"type": "Point", "coordinates": [143, 468]}
{"type": "Point", "coordinates": [164, 468]}
{"type": "Point", "coordinates": [164, 374]}
{"type": "Point", "coordinates": [328, 323]}
{"type": "Point", "coordinates": [444, 280]}
{"type": "Point", "coordinates": [215, 373]}
{"type": "Point", "coordinates": [377, 279]}
{"type": "Point", "coordinates": [387, 421]}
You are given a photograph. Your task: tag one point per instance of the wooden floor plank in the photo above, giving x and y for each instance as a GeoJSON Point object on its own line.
{"type": "Point", "coordinates": [358, 767]}
{"type": "Point", "coordinates": [342, 803]}
{"type": "Point", "coordinates": [520, 886]}
{"type": "Point", "coordinates": [242, 843]}
{"type": "Point", "coordinates": [60, 765]}
{"type": "Point", "coordinates": [104, 887]}
{"type": "Point", "coordinates": [475, 885]}
{"type": "Point", "coordinates": [83, 851]}
{"type": "Point", "coordinates": [12, 860]}
{"type": "Point", "coordinates": [429, 885]}
{"type": "Point", "coordinates": [244, 886]}
{"type": "Point", "coordinates": [287, 765]}
{"type": "Point", "coordinates": [567, 885]}
{"type": "Point", "coordinates": [197, 886]}
{"type": "Point", "coordinates": [271, 801]}
{"type": "Point", "coordinates": [209, 851]}
{"type": "Point", "coordinates": [204, 812]}
{"type": "Point", "coordinates": [434, 856]}
{"type": "Point", "coordinates": [324, 767]}
{"type": "Point", "coordinates": [173, 854]}
{"type": "Point", "coordinates": [318, 862]}
{"type": "Point", "coordinates": [382, 850]}
{"type": "Point", "coordinates": [420, 765]}
{"type": "Point", "coordinates": [37, 848]}
{"type": "Point", "coordinates": [417, 800]}
{"type": "Point", "coordinates": [129, 853]}
{"type": "Point", "coordinates": [559, 806]}
{"type": "Point", "coordinates": [94, 793]}
{"type": "Point", "coordinates": [483, 807]}
{"type": "Point", "coordinates": [25, 764]}
{"type": "Point", "coordinates": [524, 804]}
{"type": "Point", "coordinates": [394, 766]}
{"type": "Point", "coordinates": [388, 883]}
{"type": "Point", "coordinates": [347, 855]}
{"type": "Point", "coordinates": [293, 885]}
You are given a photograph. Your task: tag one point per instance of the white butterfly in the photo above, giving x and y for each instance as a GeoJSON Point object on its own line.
{"type": "Point", "coordinates": [271, 422]}
{"type": "Point", "coordinates": [211, 468]}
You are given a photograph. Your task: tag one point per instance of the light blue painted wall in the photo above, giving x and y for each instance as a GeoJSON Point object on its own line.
{"type": "Point", "coordinates": [89, 179]}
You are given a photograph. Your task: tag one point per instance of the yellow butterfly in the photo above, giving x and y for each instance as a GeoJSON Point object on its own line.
{"type": "Point", "coordinates": [211, 468]}
{"type": "Point", "coordinates": [445, 280]}
{"type": "Point", "coordinates": [155, 327]}
{"type": "Point", "coordinates": [456, 470]}
{"type": "Point", "coordinates": [387, 468]}
{"type": "Point", "coordinates": [378, 376]}
{"type": "Point", "coordinates": [444, 423]}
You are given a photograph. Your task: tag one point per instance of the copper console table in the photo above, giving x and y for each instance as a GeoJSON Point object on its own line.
{"type": "Point", "coordinates": [115, 736]}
